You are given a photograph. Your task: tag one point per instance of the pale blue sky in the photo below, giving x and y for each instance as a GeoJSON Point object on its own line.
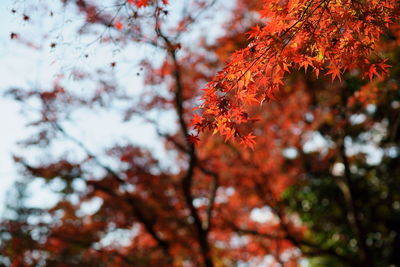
{"type": "Point", "coordinates": [26, 68]}
{"type": "Point", "coordinates": [13, 67]}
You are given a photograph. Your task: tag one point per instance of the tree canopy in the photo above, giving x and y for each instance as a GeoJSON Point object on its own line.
{"type": "Point", "coordinates": [310, 86]}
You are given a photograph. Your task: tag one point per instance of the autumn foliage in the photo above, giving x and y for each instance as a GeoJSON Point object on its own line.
{"type": "Point", "coordinates": [330, 37]}
{"type": "Point", "coordinates": [310, 86]}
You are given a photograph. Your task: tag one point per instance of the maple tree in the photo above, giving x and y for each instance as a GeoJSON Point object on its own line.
{"type": "Point", "coordinates": [336, 36]}
{"type": "Point", "coordinates": [310, 171]}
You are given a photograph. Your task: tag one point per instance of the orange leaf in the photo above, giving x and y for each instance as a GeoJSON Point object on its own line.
{"type": "Point", "coordinates": [118, 25]}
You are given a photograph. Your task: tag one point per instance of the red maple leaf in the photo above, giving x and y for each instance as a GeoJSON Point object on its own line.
{"type": "Point", "coordinates": [139, 3]}
{"type": "Point", "coordinates": [193, 139]}
{"type": "Point", "coordinates": [118, 25]}
{"type": "Point", "coordinates": [197, 120]}
{"type": "Point", "coordinates": [248, 141]}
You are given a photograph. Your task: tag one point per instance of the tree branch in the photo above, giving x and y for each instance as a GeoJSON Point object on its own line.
{"type": "Point", "coordinates": [307, 248]}
{"type": "Point", "coordinates": [187, 179]}
{"type": "Point", "coordinates": [163, 244]}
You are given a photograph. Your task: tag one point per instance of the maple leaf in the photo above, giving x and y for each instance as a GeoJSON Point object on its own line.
{"type": "Point", "coordinates": [246, 97]}
{"type": "Point", "coordinates": [193, 139]}
{"type": "Point", "coordinates": [139, 3]}
{"type": "Point", "coordinates": [372, 71]}
{"type": "Point", "coordinates": [384, 67]}
{"type": "Point", "coordinates": [334, 72]}
{"type": "Point", "coordinates": [118, 25]}
{"type": "Point", "coordinates": [316, 72]}
{"type": "Point", "coordinates": [248, 141]}
{"type": "Point", "coordinates": [305, 63]}
{"type": "Point", "coordinates": [229, 133]}
{"type": "Point", "coordinates": [197, 120]}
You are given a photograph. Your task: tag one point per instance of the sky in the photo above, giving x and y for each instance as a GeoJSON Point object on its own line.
{"type": "Point", "coordinates": [36, 67]}
{"type": "Point", "coordinates": [39, 65]}
{"type": "Point", "coordinates": [13, 65]}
